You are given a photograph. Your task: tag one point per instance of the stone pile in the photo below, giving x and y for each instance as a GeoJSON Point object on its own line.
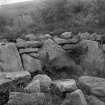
{"type": "Point", "coordinates": [67, 41]}
{"type": "Point", "coordinates": [43, 70]}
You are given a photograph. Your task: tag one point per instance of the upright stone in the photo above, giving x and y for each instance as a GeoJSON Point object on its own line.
{"type": "Point", "coordinates": [9, 58]}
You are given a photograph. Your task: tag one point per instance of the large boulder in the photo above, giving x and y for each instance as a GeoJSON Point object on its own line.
{"type": "Point", "coordinates": [93, 85]}
{"type": "Point", "coordinates": [9, 58]}
{"type": "Point", "coordinates": [31, 64]}
{"type": "Point", "coordinates": [55, 55]}
{"type": "Point", "coordinates": [92, 100]}
{"type": "Point", "coordinates": [20, 98]}
{"type": "Point", "coordinates": [92, 61]}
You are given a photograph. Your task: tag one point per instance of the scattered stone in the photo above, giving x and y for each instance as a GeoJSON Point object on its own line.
{"type": "Point", "coordinates": [92, 100]}
{"type": "Point", "coordinates": [30, 37]}
{"type": "Point", "coordinates": [60, 41]}
{"type": "Point", "coordinates": [84, 36]}
{"type": "Point", "coordinates": [45, 81]}
{"type": "Point", "coordinates": [66, 35]}
{"type": "Point", "coordinates": [93, 85]}
{"type": "Point", "coordinates": [19, 40]}
{"type": "Point", "coordinates": [48, 36]}
{"type": "Point", "coordinates": [77, 98]}
{"type": "Point", "coordinates": [33, 87]}
{"type": "Point", "coordinates": [71, 46]}
{"type": "Point", "coordinates": [9, 58]}
{"type": "Point", "coordinates": [34, 55]}
{"type": "Point", "coordinates": [66, 85]}
{"type": "Point", "coordinates": [93, 60]}
{"type": "Point", "coordinates": [20, 98]}
{"type": "Point", "coordinates": [27, 44]}
{"type": "Point", "coordinates": [31, 64]}
{"type": "Point", "coordinates": [28, 50]}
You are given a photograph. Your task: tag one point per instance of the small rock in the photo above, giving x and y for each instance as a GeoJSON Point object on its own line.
{"type": "Point", "coordinates": [27, 44]}
{"type": "Point", "coordinates": [34, 55]}
{"type": "Point", "coordinates": [33, 87]}
{"type": "Point", "coordinates": [93, 85]}
{"type": "Point", "coordinates": [45, 81]}
{"type": "Point", "coordinates": [77, 98]}
{"type": "Point", "coordinates": [20, 98]}
{"type": "Point", "coordinates": [85, 36]}
{"type": "Point", "coordinates": [19, 40]}
{"type": "Point", "coordinates": [28, 50]}
{"type": "Point", "coordinates": [66, 35]}
{"type": "Point", "coordinates": [60, 41]}
{"type": "Point", "coordinates": [30, 37]}
{"type": "Point", "coordinates": [66, 85]}
{"type": "Point", "coordinates": [92, 100]}
{"type": "Point", "coordinates": [71, 46]}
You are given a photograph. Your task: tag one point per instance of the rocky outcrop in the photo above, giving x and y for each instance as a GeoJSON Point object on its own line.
{"type": "Point", "coordinates": [45, 69]}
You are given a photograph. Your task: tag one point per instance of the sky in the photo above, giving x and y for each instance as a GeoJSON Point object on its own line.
{"type": "Point", "coordinates": [11, 1]}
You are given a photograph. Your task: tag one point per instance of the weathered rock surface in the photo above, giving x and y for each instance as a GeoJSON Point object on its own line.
{"type": "Point", "coordinates": [92, 61]}
{"type": "Point", "coordinates": [44, 80]}
{"type": "Point", "coordinates": [31, 64]}
{"type": "Point", "coordinates": [92, 100]}
{"type": "Point", "coordinates": [27, 44]}
{"type": "Point", "coordinates": [9, 58]}
{"type": "Point", "coordinates": [93, 85]}
{"type": "Point", "coordinates": [20, 98]}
